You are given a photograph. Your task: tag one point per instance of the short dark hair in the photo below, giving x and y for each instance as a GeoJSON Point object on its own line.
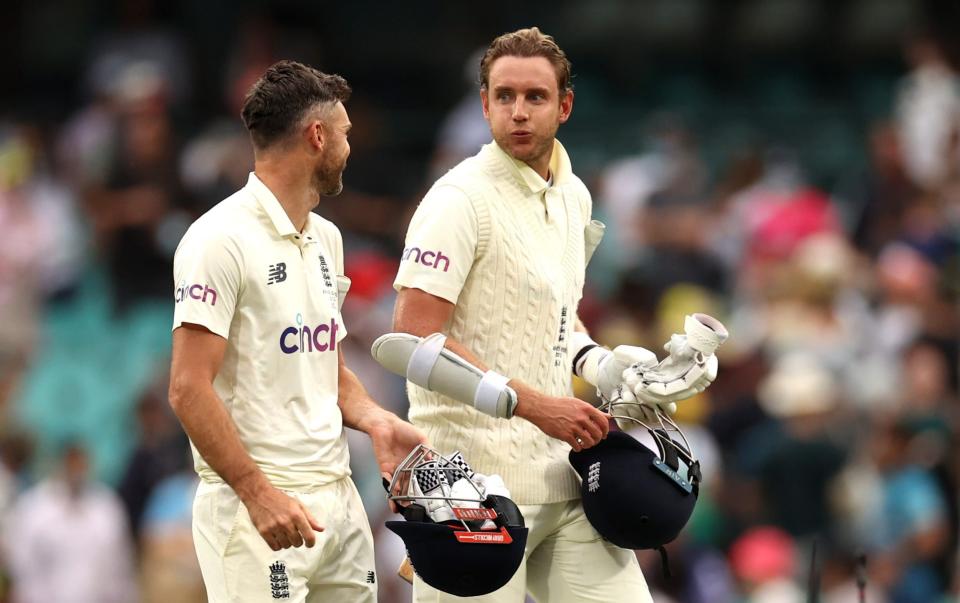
{"type": "Point", "coordinates": [279, 100]}
{"type": "Point", "coordinates": [529, 42]}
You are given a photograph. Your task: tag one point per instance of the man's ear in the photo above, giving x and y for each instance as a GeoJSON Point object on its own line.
{"type": "Point", "coordinates": [485, 103]}
{"type": "Point", "coordinates": [566, 106]}
{"type": "Point", "coordinates": [316, 134]}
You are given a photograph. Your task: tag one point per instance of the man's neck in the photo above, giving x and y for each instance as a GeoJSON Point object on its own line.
{"type": "Point", "coordinates": [290, 185]}
{"type": "Point", "coordinates": [541, 164]}
{"type": "Point", "coordinates": [542, 167]}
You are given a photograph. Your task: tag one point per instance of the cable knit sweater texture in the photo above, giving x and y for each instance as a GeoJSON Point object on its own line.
{"type": "Point", "coordinates": [515, 312]}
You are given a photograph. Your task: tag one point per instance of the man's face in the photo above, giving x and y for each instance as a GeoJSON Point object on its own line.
{"type": "Point", "coordinates": [328, 177]}
{"type": "Point", "coordinates": [523, 104]}
{"type": "Point", "coordinates": [76, 468]}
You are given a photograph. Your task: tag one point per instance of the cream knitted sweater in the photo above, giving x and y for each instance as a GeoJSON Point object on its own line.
{"type": "Point", "coordinates": [516, 312]}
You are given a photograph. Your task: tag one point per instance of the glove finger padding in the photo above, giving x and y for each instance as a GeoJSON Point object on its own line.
{"type": "Point", "coordinates": [713, 365]}
{"type": "Point", "coordinates": [628, 355]}
{"type": "Point", "coordinates": [611, 367]}
{"type": "Point", "coordinates": [698, 376]}
{"type": "Point", "coordinates": [689, 368]}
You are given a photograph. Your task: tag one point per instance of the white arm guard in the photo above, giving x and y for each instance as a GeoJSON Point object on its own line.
{"type": "Point", "coordinates": [425, 362]}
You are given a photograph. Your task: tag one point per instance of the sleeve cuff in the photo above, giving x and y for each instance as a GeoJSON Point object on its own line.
{"type": "Point", "coordinates": [447, 292]}
{"type": "Point", "coordinates": [216, 330]}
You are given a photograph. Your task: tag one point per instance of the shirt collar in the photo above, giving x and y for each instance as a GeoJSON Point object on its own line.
{"type": "Point", "coordinates": [268, 201]}
{"type": "Point", "coordinates": [560, 168]}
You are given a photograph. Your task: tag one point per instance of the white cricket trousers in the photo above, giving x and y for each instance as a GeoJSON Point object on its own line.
{"type": "Point", "coordinates": [238, 565]}
{"type": "Point", "coordinates": [566, 561]}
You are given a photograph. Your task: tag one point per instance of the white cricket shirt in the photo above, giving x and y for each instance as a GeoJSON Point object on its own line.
{"type": "Point", "coordinates": [245, 273]}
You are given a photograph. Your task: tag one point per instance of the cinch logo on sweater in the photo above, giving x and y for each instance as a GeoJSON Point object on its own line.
{"type": "Point", "coordinates": [195, 292]}
{"type": "Point", "coordinates": [427, 258]}
{"type": "Point", "coordinates": [304, 338]}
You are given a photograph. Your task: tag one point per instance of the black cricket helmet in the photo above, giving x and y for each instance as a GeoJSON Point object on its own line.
{"type": "Point", "coordinates": [459, 539]}
{"type": "Point", "coordinates": [635, 496]}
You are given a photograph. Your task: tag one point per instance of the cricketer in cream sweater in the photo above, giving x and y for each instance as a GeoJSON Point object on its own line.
{"type": "Point", "coordinates": [495, 259]}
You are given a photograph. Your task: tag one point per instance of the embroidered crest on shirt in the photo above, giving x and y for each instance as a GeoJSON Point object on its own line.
{"type": "Point", "coordinates": [277, 273]}
{"type": "Point", "coordinates": [333, 293]}
{"type": "Point", "coordinates": [325, 272]}
{"type": "Point", "coordinates": [560, 350]}
{"type": "Point", "coordinates": [279, 583]}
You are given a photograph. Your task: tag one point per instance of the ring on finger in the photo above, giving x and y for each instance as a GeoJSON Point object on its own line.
{"type": "Point", "coordinates": [579, 441]}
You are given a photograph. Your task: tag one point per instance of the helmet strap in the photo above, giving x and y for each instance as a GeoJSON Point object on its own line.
{"type": "Point", "coordinates": [664, 562]}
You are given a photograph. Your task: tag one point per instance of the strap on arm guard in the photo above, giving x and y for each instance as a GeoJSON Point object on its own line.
{"type": "Point", "coordinates": [425, 362]}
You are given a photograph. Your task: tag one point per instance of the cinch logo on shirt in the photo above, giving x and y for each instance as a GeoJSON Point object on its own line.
{"type": "Point", "coordinates": [427, 258]}
{"type": "Point", "coordinates": [195, 292]}
{"type": "Point", "coordinates": [304, 338]}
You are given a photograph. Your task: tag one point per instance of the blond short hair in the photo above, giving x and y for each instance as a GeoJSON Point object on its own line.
{"type": "Point", "coordinates": [530, 42]}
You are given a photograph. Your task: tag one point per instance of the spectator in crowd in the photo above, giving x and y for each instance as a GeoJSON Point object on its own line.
{"type": "Point", "coordinates": [928, 111]}
{"type": "Point", "coordinates": [909, 525]}
{"type": "Point", "coordinates": [764, 560]}
{"type": "Point", "coordinates": [169, 570]}
{"type": "Point", "coordinates": [160, 453]}
{"type": "Point", "coordinates": [793, 457]}
{"type": "Point", "coordinates": [67, 539]}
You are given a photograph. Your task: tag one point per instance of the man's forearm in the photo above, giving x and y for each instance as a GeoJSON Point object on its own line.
{"type": "Point", "coordinates": [212, 431]}
{"type": "Point", "coordinates": [358, 409]}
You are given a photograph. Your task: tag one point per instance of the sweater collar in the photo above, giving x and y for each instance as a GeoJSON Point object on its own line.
{"type": "Point", "coordinates": [525, 175]}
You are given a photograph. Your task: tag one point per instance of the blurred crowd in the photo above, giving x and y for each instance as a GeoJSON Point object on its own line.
{"type": "Point", "coordinates": [828, 442]}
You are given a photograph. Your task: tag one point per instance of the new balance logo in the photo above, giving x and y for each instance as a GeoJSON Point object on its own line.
{"type": "Point", "coordinates": [371, 577]}
{"type": "Point", "coordinates": [279, 583]}
{"type": "Point", "coordinates": [277, 273]}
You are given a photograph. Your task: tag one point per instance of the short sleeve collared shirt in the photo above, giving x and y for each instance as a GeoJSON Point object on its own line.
{"type": "Point", "coordinates": [442, 238]}
{"type": "Point", "coordinates": [245, 273]}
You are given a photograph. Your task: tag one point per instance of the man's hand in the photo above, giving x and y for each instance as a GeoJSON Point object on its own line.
{"type": "Point", "coordinates": [282, 520]}
{"type": "Point", "coordinates": [393, 439]}
{"type": "Point", "coordinates": [569, 419]}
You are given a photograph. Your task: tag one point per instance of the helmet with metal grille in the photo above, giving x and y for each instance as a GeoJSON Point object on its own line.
{"type": "Point", "coordinates": [461, 538]}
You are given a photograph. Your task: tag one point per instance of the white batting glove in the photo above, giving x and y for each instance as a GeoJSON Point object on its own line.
{"type": "Point", "coordinates": [690, 367]}
{"type": "Point", "coordinates": [604, 368]}
{"type": "Point", "coordinates": [490, 485]}
{"type": "Point", "coordinates": [438, 509]}
{"type": "Point", "coordinates": [613, 364]}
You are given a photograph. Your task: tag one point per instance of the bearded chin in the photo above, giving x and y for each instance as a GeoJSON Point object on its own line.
{"type": "Point", "coordinates": [335, 189]}
{"type": "Point", "coordinates": [328, 182]}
